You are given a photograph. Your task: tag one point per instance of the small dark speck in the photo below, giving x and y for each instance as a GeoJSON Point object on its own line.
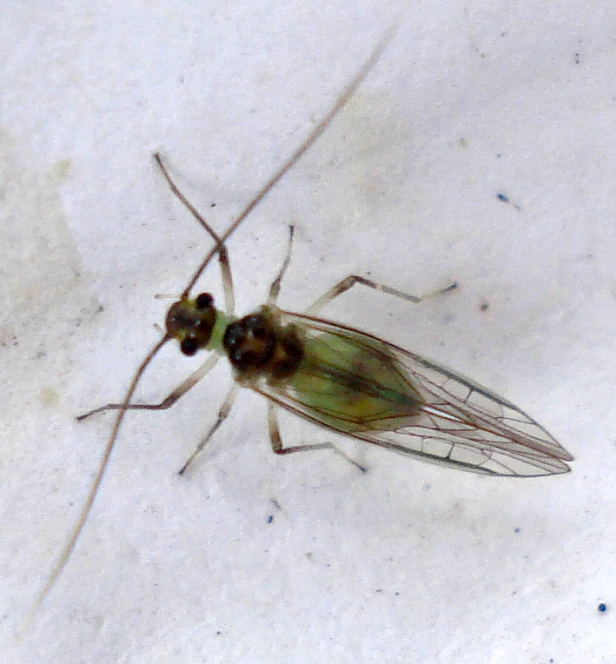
{"type": "Point", "coordinates": [499, 155]}
{"type": "Point", "coordinates": [379, 590]}
{"type": "Point", "coordinates": [218, 632]}
{"type": "Point", "coordinates": [576, 58]}
{"type": "Point", "coordinates": [212, 205]}
{"type": "Point", "coordinates": [505, 199]}
{"type": "Point", "coordinates": [270, 518]}
{"type": "Point", "coordinates": [397, 594]}
{"type": "Point", "coordinates": [484, 306]}
{"type": "Point", "coordinates": [517, 530]}
{"type": "Point", "coordinates": [602, 607]}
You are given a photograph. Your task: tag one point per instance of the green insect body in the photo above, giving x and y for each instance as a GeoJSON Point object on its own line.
{"type": "Point", "coordinates": [335, 376]}
{"type": "Point", "coordinates": [353, 385]}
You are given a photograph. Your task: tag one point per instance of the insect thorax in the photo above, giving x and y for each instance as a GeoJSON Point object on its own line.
{"type": "Point", "coordinates": [259, 345]}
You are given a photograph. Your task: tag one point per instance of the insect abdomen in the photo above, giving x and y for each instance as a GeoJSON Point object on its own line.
{"type": "Point", "coordinates": [352, 385]}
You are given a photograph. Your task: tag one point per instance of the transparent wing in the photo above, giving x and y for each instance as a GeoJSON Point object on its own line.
{"type": "Point", "coordinates": [459, 424]}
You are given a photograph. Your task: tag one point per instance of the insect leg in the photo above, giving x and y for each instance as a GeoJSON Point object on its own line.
{"type": "Point", "coordinates": [223, 413]}
{"type": "Point", "coordinates": [168, 401]}
{"type": "Point", "coordinates": [223, 256]}
{"type": "Point", "coordinates": [276, 441]}
{"type": "Point", "coordinates": [350, 281]}
{"type": "Point", "coordinates": [275, 287]}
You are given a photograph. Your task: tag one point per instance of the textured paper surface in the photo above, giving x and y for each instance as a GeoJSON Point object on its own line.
{"type": "Point", "coordinates": [480, 149]}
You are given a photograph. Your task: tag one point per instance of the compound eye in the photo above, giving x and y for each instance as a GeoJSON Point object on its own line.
{"type": "Point", "coordinates": [189, 346]}
{"type": "Point", "coordinates": [204, 301]}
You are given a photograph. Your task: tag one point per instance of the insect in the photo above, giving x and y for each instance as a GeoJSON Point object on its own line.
{"type": "Point", "coordinates": [335, 376]}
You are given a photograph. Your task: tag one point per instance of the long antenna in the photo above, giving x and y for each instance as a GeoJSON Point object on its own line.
{"type": "Point", "coordinates": [218, 248]}
{"type": "Point", "coordinates": [340, 103]}
{"type": "Point", "coordinates": [102, 467]}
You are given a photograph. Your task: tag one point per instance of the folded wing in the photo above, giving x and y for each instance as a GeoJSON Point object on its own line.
{"type": "Point", "coordinates": [455, 422]}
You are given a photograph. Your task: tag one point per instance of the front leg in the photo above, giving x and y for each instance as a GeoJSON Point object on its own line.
{"type": "Point", "coordinates": [168, 401]}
